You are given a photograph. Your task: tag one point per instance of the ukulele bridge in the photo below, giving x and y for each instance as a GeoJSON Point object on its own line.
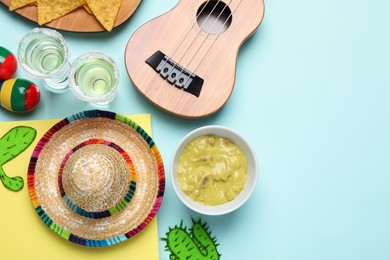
{"type": "Point", "coordinates": [175, 74]}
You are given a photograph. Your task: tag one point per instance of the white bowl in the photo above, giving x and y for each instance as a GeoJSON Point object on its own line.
{"type": "Point", "coordinates": [250, 182]}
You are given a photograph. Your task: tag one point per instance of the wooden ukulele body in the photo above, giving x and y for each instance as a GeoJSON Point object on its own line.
{"type": "Point", "coordinates": [182, 37]}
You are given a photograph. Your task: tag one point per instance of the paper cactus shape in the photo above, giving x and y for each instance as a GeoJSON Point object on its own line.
{"type": "Point", "coordinates": [12, 144]}
{"type": "Point", "coordinates": [193, 243]}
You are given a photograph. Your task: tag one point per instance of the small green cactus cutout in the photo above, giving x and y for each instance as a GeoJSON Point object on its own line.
{"type": "Point", "coordinates": [194, 243]}
{"type": "Point", "coordinates": [12, 144]}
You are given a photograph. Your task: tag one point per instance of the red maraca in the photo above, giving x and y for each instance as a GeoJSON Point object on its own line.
{"type": "Point", "coordinates": [19, 95]}
{"type": "Point", "coordinates": [16, 95]}
{"type": "Point", "coordinates": [8, 64]}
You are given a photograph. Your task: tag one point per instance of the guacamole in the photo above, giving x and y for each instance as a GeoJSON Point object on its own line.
{"type": "Point", "coordinates": [212, 170]}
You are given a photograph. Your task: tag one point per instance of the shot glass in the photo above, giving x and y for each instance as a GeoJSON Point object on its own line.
{"type": "Point", "coordinates": [94, 78]}
{"type": "Point", "coordinates": [44, 54]}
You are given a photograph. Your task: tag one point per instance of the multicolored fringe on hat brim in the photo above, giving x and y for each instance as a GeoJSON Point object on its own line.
{"type": "Point", "coordinates": [66, 234]}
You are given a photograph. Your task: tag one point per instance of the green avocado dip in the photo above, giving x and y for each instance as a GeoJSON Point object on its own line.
{"type": "Point", "coordinates": [212, 170]}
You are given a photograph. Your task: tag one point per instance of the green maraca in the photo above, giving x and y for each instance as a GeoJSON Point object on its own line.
{"type": "Point", "coordinates": [19, 95]}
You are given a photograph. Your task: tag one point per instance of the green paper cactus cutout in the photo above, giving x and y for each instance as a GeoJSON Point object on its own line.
{"type": "Point", "coordinates": [195, 243]}
{"type": "Point", "coordinates": [12, 144]}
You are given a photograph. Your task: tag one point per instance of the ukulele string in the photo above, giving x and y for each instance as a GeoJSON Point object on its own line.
{"type": "Point", "coordinates": [184, 36]}
{"type": "Point", "coordinates": [216, 37]}
{"type": "Point", "coordinates": [196, 36]}
{"type": "Point", "coordinates": [204, 40]}
{"type": "Point", "coordinates": [212, 42]}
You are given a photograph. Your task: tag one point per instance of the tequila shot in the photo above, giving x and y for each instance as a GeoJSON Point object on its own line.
{"type": "Point", "coordinates": [44, 54]}
{"type": "Point", "coordinates": [94, 78]}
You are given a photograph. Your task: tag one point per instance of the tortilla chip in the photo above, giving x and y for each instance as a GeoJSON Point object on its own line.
{"type": "Point", "coordinates": [87, 8]}
{"type": "Point", "coordinates": [16, 4]}
{"type": "Point", "coordinates": [105, 11]}
{"type": "Point", "coordinates": [49, 10]}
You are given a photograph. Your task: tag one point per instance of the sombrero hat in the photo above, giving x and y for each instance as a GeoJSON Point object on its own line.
{"type": "Point", "coordinates": [96, 178]}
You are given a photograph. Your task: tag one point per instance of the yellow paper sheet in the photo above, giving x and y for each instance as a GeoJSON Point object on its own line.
{"type": "Point", "coordinates": [23, 235]}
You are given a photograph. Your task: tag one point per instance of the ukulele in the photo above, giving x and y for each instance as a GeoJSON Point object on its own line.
{"type": "Point", "coordinates": [184, 61]}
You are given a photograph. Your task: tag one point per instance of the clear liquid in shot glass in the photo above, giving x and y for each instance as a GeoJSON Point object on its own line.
{"type": "Point", "coordinates": [95, 77]}
{"type": "Point", "coordinates": [44, 54]}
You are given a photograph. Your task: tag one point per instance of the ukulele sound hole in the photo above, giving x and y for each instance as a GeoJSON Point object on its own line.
{"type": "Point", "coordinates": [214, 17]}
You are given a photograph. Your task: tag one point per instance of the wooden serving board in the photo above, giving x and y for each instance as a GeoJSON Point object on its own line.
{"type": "Point", "coordinates": [79, 20]}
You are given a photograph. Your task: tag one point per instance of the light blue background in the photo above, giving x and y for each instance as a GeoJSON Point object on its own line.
{"type": "Point", "coordinates": [313, 97]}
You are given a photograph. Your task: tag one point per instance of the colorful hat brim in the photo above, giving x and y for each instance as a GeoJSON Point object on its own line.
{"type": "Point", "coordinates": [78, 129]}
